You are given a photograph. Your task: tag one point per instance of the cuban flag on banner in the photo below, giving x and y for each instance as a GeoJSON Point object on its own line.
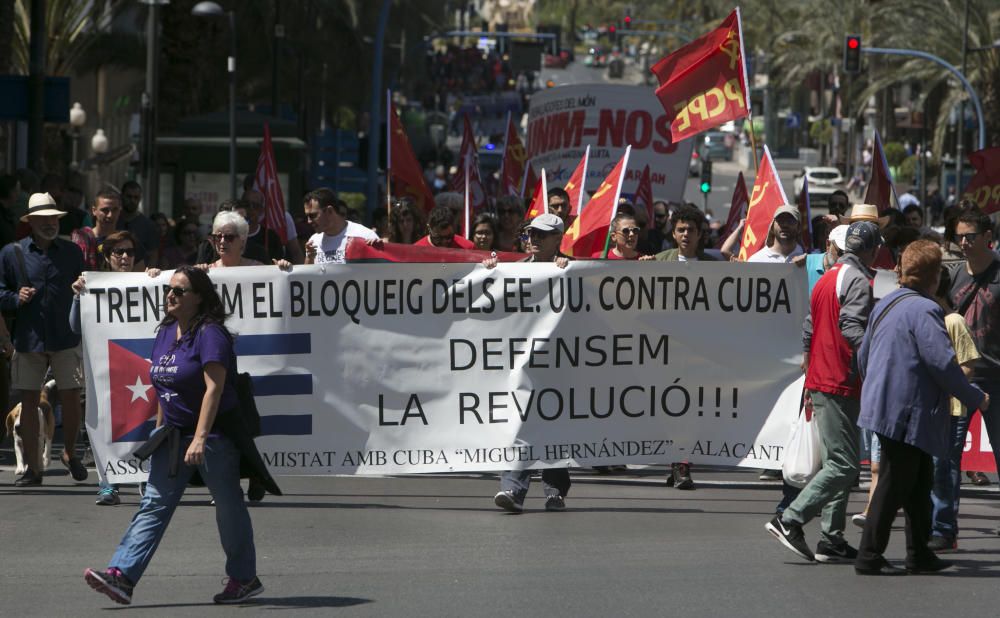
{"type": "Point", "coordinates": [134, 401]}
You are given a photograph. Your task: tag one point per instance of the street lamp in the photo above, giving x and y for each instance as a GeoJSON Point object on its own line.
{"type": "Point", "coordinates": [77, 118]}
{"type": "Point", "coordinates": [99, 143]}
{"type": "Point", "coordinates": [212, 9]}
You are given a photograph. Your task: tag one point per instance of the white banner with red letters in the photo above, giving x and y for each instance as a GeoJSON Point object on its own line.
{"type": "Point", "coordinates": [563, 121]}
{"type": "Point", "coordinates": [412, 368]}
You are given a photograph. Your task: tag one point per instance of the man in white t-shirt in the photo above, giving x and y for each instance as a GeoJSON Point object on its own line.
{"type": "Point", "coordinates": [783, 239]}
{"type": "Point", "coordinates": [329, 243]}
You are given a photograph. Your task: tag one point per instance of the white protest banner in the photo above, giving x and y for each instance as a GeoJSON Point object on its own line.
{"type": "Point", "coordinates": [410, 368]}
{"type": "Point", "coordinates": [563, 121]}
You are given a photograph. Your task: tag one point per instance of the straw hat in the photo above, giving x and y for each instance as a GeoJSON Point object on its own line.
{"type": "Point", "coordinates": [42, 205]}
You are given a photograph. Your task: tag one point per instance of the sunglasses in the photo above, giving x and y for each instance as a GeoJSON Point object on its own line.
{"type": "Point", "coordinates": [224, 237]}
{"type": "Point", "coordinates": [628, 231]}
{"type": "Point", "coordinates": [538, 234]}
{"type": "Point", "coordinates": [120, 251]}
{"type": "Point", "coordinates": [969, 237]}
{"type": "Point", "coordinates": [178, 291]}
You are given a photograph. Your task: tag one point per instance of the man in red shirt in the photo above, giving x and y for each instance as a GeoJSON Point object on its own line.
{"type": "Point", "coordinates": [441, 231]}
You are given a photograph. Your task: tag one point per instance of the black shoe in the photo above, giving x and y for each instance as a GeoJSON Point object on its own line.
{"type": "Point", "coordinates": [791, 536]}
{"type": "Point", "coordinates": [928, 564]}
{"type": "Point", "coordinates": [681, 473]}
{"type": "Point", "coordinates": [75, 468]}
{"type": "Point", "coordinates": [555, 503]}
{"type": "Point", "coordinates": [835, 552]}
{"type": "Point", "coordinates": [255, 490]}
{"type": "Point", "coordinates": [29, 478]}
{"type": "Point", "coordinates": [883, 568]}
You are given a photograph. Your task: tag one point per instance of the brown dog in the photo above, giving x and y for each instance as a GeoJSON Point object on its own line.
{"type": "Point", "coordinates": [46, 429]}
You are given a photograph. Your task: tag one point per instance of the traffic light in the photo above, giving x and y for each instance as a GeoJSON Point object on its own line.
{"type": "Point", "coordinates": [628, 22]}
{"type": "Point", "coordinates": [613, 34]}
{"type": "Point", "coordinates": [706, 176]}
{"type": "Point", "coordinates": [852, 54]}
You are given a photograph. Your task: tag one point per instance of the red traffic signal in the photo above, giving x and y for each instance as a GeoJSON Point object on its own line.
{"type": "Point", "coordinates": [852, 54]}
{"type": "Point", "coordinates": [628, 21]}
{"type": "Point", "coordinates": [612, 29]}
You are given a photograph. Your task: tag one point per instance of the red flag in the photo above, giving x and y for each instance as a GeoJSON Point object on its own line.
{"type": "Point", "coordinates": [406, 177]}
{"type": "Point", "coordinates": [266, 182]}
{"type": "Point", "coordinates": [704, 83]}
{"type": "Point", "coordinates": [644, 197]}
{"type": "Point", "coordinates": [880, 191]}
{"type": "Point", "coordinates": [984, 188]}
{"type": "Point", "coordinates": [515, 157]}
{"type": "Point", "coordinates": [737, 209]}
{"type": "Point", "coordinates": [530, 181]}
{"type": "Point", "coordinates": [768, 195]}
{"type": "Point", "coordinates": [589, 232]}
{"type": "Point", "coordinates": [467, 180]}
{"type": "Point", "coordinates": [805, 215]}
{"type": "Point", "coordinates": [575, 187]}
{"type": "Point", "coordinates": [540, 198]}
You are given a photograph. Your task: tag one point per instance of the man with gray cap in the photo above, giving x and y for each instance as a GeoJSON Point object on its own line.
{"type": "Point", "coordinates": [545, 234]}
{"type": "Point", "coordinates": [36, 275]}
{"type": "Point", "coordinates": [782, 239]}
{"type": "Point", "coordinates": [832, 333]}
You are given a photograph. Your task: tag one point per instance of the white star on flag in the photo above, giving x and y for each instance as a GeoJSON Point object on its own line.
{"type": "Point", "coordinates": [139, 389]}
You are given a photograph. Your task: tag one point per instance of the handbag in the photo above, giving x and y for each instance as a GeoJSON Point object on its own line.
{"type": "Point", "coordinates": [802, 459]}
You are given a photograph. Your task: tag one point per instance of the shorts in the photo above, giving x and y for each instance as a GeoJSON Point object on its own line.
{"type": "Point", "coordinates": [28, 369]}
{"type": "Point", "coordinates": [871, 446]}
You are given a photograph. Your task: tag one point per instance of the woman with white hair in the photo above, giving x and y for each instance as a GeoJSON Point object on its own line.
{"type": "Point", "coordinates": [229, 239]}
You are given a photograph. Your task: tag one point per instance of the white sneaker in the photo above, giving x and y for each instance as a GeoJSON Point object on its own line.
{"type": "Point", "coordinates": [859, 520]}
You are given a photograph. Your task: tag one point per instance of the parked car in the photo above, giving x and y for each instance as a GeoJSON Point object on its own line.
{"type": "Point", "coordinates": [557, 62]}
{"type": "Point", "coordinates": [716, 146]}
{"type": "Point", "coordinates": [822, 182]}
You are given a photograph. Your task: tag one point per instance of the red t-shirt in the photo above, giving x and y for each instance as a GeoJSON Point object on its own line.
{"type": "Point", "coordinates": [457, 242]}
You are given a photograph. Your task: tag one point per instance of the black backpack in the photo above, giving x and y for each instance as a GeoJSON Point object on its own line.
{"type": "Point", "coordinates": [248, 406]}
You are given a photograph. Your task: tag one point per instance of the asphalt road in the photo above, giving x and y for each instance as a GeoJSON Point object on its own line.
{"type": "Point", "coordinates": [436, 546]}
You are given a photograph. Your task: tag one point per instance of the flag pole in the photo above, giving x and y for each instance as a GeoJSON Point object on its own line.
{"type": "Point", "coordinates": [583, 181]}
{"type": "Point", "coordinates": [614, 208]}
{"type": "Point", "coordinates": [468, 236]}
{"type": "Point", "coordinates": [388, 151]}
{"type": "Point", "coordinates": [753, 143]}
{"type": "Point", "coordinates": [545, 193]}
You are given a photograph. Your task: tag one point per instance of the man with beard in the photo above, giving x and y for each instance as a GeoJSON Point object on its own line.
{"type": "Point", "coordinates": [36, 273]}
{"type": "Point", "coordinates": [783, 239]}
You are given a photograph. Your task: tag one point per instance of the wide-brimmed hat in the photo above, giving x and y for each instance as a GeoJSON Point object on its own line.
{"type": "Point", "coordinates": [864, 212]}
{"type": "Point", "coordinates": [42, 205]}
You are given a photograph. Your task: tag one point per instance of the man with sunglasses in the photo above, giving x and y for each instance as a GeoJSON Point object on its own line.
{"type": "Point", "coordinates": [329, 244]}
{"type": "Point", "coordinates": [975, 288]}
{"type": "Point", "coordinates": [545, 233]}
{"type": "Point", "coordinates": [441, 231]}
{"type": "Point", "coordinates": [624, 238]}
{"type": "Point", "coordinates": [36, 275]}
{"type": "Point", "coordinates": [659, 238]}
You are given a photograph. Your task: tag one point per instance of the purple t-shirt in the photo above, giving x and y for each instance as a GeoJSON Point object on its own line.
{"type": "Point", "coordinates": [178, 372]}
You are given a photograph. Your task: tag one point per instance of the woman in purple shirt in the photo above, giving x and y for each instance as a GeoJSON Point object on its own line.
{"type": "Point", "coordinates": [193, 372]}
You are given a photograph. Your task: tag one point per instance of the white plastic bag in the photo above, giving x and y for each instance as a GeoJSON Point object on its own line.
{"type": "Point", "coordinates": [802, 459]}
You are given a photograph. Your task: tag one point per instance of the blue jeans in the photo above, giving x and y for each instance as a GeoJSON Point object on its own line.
{"type": "Point", "coordinates": [946, 490]}
{"type": "Point", "coordinates": [555, 482]}
{"type": "Point", "coordinates": [221, 473]}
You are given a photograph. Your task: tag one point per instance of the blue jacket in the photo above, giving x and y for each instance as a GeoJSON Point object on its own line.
{"type": "Point", "coordinates": [909, 370]}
